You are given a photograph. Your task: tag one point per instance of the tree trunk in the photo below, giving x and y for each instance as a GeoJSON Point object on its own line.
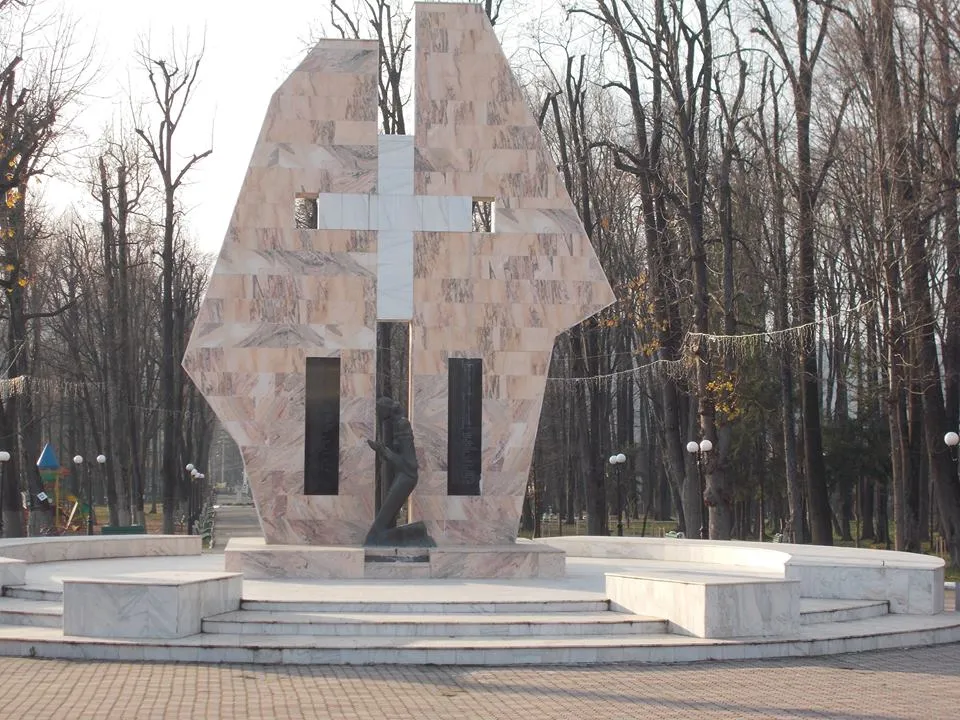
{"type": "Point", "coordinates": [818, 503]}
{"type": "Point", "coordinates": [866, 502]}
{"type": "Point", "coordinates": [21, 406]}
{"type": "Point", "coordinates": [800, 73]}
{"type": "Point", "coordinates": [169, 472]}
{"type": "Point", "coordinates": [773, 156]}
{"type": "Point", "coordinates": [10, 488]}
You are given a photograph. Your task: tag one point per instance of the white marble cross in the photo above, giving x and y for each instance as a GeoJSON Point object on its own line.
{"type": "Point", "coordinates": [395, 213]}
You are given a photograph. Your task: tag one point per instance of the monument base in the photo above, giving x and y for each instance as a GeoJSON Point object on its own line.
{"type": "Point", "coordinates": [519, 560]}
{"type": "Point", "coordinates": [259, 561]}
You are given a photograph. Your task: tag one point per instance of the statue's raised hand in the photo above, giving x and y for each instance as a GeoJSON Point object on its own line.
{"type": "Point", "coordinates": [375, 446]}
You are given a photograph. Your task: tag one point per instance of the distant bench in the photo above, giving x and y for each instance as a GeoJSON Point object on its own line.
{"type": "Point", "coordinates": [123, 530]}
{"type": "Point", "coordinates": [910, 583]}
{"type": "Point", "coordinates": [17, 553]}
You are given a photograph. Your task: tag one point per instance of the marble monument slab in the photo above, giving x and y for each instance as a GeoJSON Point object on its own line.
{"type": "Point", "coordinates": [338, 227]}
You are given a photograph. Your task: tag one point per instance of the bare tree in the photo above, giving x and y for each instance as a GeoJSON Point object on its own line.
{"type": "Point", "coordinates": [812, 20]}
{"type": "Point", "coordinates": [34, 93]}
{"type": "Point", "coordinates": [643, 159]}
{"type": "Point", "coordinates": [770, 135]}
{"type": "Point", "coordinates": [120, 184]}
{"type": "Point", "coordinates": [173, 82]}
{"type": "Point", "coordinates": [390, 27]}
{"type": "Point", "coordinates": [732, 115]}
{"type": "Point", "coordinates": [901, 176]}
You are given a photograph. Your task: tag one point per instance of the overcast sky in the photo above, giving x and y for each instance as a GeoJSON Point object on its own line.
{"type": "Point", "coordinates": [250, 48]}
{"type": "Point", "coordinates": [247, 55]}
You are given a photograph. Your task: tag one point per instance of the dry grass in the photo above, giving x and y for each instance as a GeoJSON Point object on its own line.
{"type": "Point", "coordinates": [154, 523]}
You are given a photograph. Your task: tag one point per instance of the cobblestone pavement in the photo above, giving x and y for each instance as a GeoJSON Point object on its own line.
{"type": "Point", "coordinates": [918, 683]}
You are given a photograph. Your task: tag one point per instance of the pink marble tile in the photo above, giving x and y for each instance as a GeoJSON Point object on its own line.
{"type": "Point", "coordinates": [519, 297]}
{"type": "Point", "coordinates": [279, 294]}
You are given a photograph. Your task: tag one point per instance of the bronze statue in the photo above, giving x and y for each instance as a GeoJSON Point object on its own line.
{"type": "Point", "coordinates": [402, 459]}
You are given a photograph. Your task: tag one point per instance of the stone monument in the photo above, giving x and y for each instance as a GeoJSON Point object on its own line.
{"type": "Point", "coordinates": [464, 231]}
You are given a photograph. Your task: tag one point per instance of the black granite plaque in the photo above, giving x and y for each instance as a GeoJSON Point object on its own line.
{"type": "Point", "coordinates": [465, 419]}
{"type": "Point", "coordinates": [321, 441]}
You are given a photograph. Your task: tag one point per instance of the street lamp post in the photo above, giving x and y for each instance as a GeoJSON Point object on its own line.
{"type": "Point", "coordinates": [4, 458]}
{"type": "Point", "coordinates": [201, 493]}
{"type": "Point", "coordinates": [617, 461]}
{"type": "Point", "coordinates": [194, 501]}
{"type": "Point", "coordinates": [195, 498]}
{"type": "Point", "coordinates": [698, 449]}
{"type": "Point", "coordinates": [78, 461]}
{"type": "Point", "coordinates": [192, 472]}
{"type": "Point", "coordinates": [951, 440]}
{"type": "Point", "coordinates": [102, 462]}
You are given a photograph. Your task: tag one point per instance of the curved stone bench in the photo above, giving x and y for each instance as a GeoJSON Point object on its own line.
{"type": "Point", "coordinates": [17, 553]}
{"type": "Point", "coordinates": [910, 583]}
{"type": "Point", "coordinates": [97, 547]}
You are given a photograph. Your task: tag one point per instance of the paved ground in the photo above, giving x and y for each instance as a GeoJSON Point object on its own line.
{"type": "Point", "coordinates": [235, 521]}
{"type": "Point", "coordinates": [920, 683]}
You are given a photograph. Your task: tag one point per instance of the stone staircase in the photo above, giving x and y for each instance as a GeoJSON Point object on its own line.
{"type": "Point", "coordinates": [31, 607]}
{"type": "Point", "coordinates": [818, 612]}
{"type": "Point", "coordinates": [500, 632]}
{"type": "Point", "coordinates": [460, 621]}
{"type": "Point", "coordinates": [32, 613]}
{"type": "Point", "coordinates": [42, 607]}
{"type": "Point", "coordinates": [26, 592]}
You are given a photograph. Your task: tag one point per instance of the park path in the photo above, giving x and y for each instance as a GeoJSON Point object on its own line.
{"type": "Point", "coordinates": [917, 683]}
{"type": "Point", "coordinates": [235, 521]}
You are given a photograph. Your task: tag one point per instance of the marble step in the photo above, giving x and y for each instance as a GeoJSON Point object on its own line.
{"type": "Point", "coordinates": [451, 625]}
{"type": "Point", "coordinates": [816, 611]}
{"type": "Point", "coordinates": [889, 631]}
{"type": "Point", "coordinates": [400, 570]}
{"type": "Point", "coordinates": [35, 613]}
{"type": "Point", "coordinates": [422, 607]}
{"type": "Point", "coordinates": [27, 592]}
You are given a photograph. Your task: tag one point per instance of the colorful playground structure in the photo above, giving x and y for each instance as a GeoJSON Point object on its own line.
{"type": "Point", "coordinates": [69, 512]}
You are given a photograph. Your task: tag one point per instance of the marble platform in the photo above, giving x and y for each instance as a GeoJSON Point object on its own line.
{"type": "Point", "coordinates": [909, 582]}
{"type": "Point", "coordinates": [147, 605]}
{"type": "Point", "coordinates": [710, 606]}
{"type": "Point", "coordinates": [258, 560]}
{"type": "Point", "coordinates": [516, 560]}
{"type": "Point", "coordinates": [600, 611]}
{"type": "Point", "coordinates": [487, 622]}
